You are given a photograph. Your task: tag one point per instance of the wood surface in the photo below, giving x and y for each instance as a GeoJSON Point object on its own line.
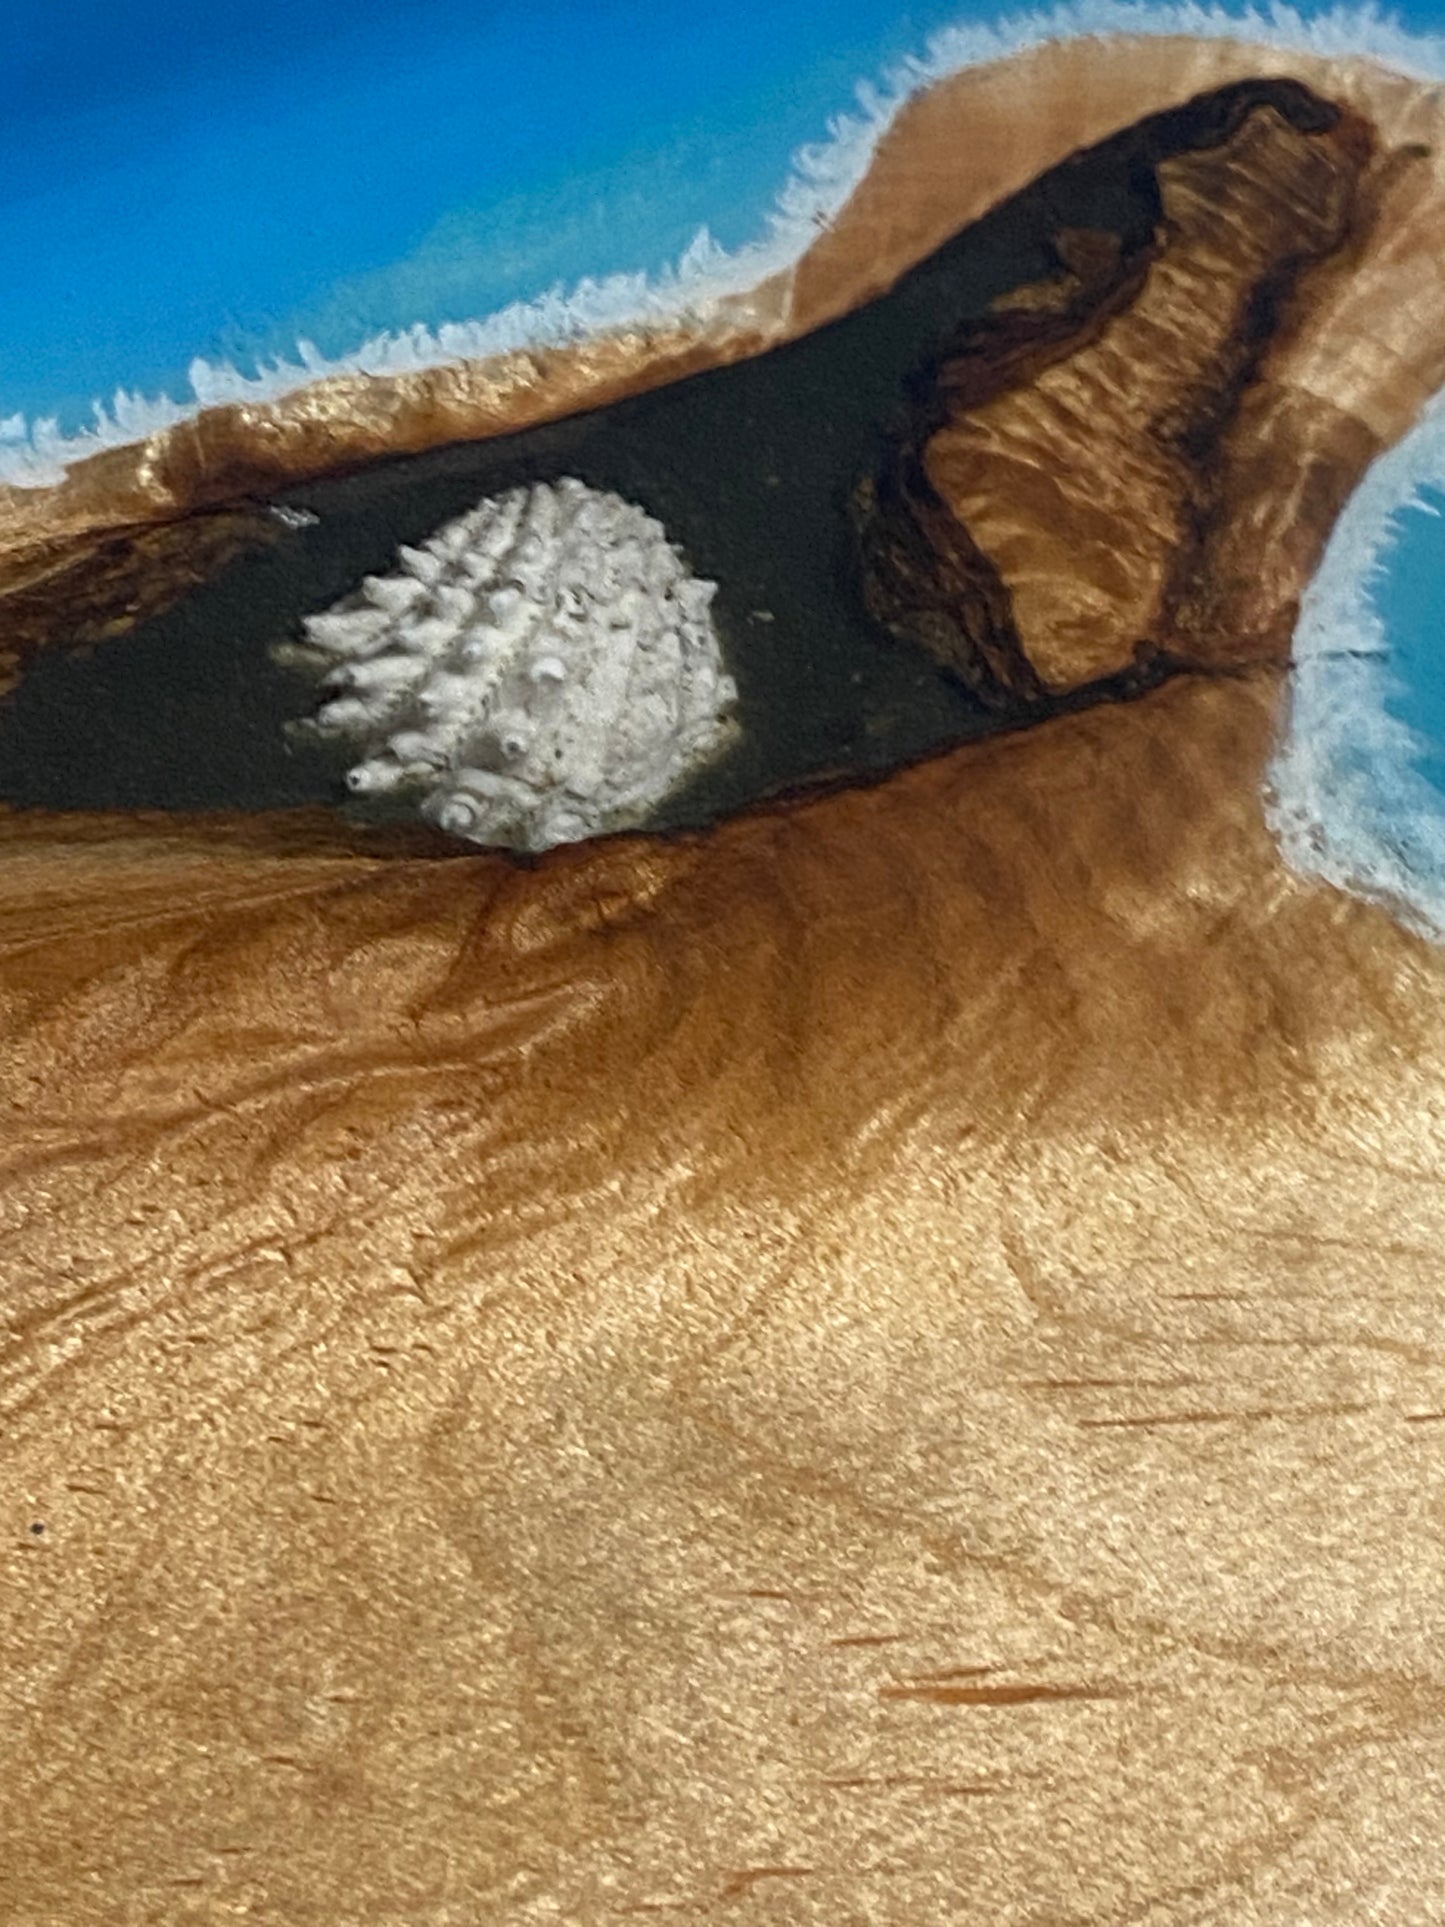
{"type": "Point", "coordinates": [877, 1367]}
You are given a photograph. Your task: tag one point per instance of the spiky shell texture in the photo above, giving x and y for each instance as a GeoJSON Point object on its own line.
{"type": "Point", "coordinates": [544, 669]}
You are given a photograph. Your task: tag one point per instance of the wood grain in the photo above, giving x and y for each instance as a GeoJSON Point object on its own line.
{"type": "Point", "coordinates": [880, 1367]}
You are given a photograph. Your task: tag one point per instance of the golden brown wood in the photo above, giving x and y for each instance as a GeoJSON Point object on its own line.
{"type": "Point", "coordinates": [898, 1343]}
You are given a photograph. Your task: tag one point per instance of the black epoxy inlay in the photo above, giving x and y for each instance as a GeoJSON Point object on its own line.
{"type": "Point", "coordinates": [749, 469]}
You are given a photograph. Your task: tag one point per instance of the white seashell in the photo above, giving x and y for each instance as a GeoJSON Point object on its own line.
{"type": "Point", "coordinates": [346, 632]}
{"type": "Point", "coordinates": [296, 655]}
{"type": "Point", "coordinates": [460, 815]}
{"type": "Point", "coordinates": [454, 603]}
{"type": "Point", "coordinates": [347, 713]}
{"type": "Point", "coordinates": [378, 672]}
{"type": "Point", "coordinates": [564, 826]}
{"type": "Point", "coordinates": [502, 604]}
{"type": "Point", "coordinates": [515, 734]}
{"type": "Point", "coordinates": [519, 620]}
{"type": "Point", "coordinates": [569, 697]}
{"type": "Point", "coordinates": [415, 747]}
{"type": "Point", "coordinates": [444, 694]}
{"type": "Point", "coordinates": [499, 527]}
{"type": "Point", "coordinates": [495, 788]}
{"type": "Point", "coordinates": [428, 636]}
{"type": "Point", "coordinates": [542, 510]}
{"type": "Point", "coordinates": [451, 540]}
{"type": "Point", "coordinates": [419, 563]}
{"type": "Point", "coordinates": [393, 593]}
{"type": "Point", "coordinates": [378, 774]}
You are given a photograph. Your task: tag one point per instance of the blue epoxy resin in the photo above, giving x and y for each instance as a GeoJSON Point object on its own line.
{"type": "Point", "coordinates": [1409, 593]}
{"type": "Point", "coordinates": [193, 198]}
{"type": "Point", "coordinates": [181, 181]}
{"type": "Point", "coordinates": [1358, 783]}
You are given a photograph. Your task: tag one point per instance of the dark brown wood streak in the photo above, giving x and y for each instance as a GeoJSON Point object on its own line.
{"type": "Point", "coordinates": [1268, 161]}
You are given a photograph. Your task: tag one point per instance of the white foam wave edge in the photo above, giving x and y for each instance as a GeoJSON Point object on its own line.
{"type": "Point", "coordinates": [37, 454]}
{"type": "Point", "coordinates": [1345, 796]}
